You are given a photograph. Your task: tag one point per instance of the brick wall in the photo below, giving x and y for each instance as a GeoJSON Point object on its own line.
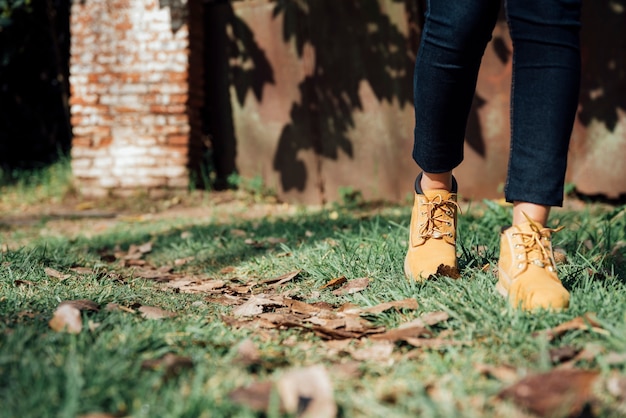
{"type": "Point", "coordinates": [129, 96]}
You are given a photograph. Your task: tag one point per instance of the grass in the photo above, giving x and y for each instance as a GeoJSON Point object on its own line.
{"type": "Point", "coordinates": [49, 374]}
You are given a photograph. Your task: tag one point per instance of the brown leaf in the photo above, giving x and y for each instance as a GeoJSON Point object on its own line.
{"type": "Point", "coordinates": [157, 275]}
{"type": "Point", "coordinates": [274, 240]}
{"type": "Point", "coordinates": [137, 251]}
{"type": "Point", "coordinates": [185, 285]}
{"type": "Point", "coordinates": [616, 386]}
{"type": "Point", "coordinates": [255, 396]}
{"type": "Point", "coordinates": [228, 269]}
{"type": "Point", "coordinates": [56, 273]}
{"type": "Point", "coordinates": [170, 363]}
{"type": "Point", "coordinates": [448, 271]}
{"type": "Point", "coordinates": [183, 261]}
{"type": "Point", "coordinates": [339, 334]}
{"type": "Point", "coordinates": [353, 286]}
{"type": "Point", "coordinates": [614, 359]}
{"type": "Point", "coordinates": [247, 353]}
{"type": "Point", "coordinates": [280, 280]}
{"type": "Point", "coordinates": [256, 304]}
{"type": "Point", "coordinates": [556, 393]}
{"type": "Point", "coordinates": [66, 318]}
{"type": "Point", "coordinates": [561, 354]}
{"type": "Point", "coordinates": [589, 353]}
{"type": "Point", "coordinates": [82, 304]}
{"type": "Point", "coordinates": [350, 370]}
{"type": "Point", "coordinates": [238, 233]}
{"type": "Point", "coordinates": [409, 303]}
{"type": "Point", "coordinates": [152, 312]}
{"type": "Point", "coordinates": [132, 262]}
{"type": "Point", "coordinates": [112, 307]}
{"type": "Point", "coordinates": [586, 322]}
{"type": "Point", "coordinates": [507, 374]}
{"type": "Point", "coordinates": [308, 392]}
{"type": "Point", "coordinates": [379, 352]}
{"type": "Point", "coordinates": [301, 307]}
{"type": "Point", "coordinates": [401, 334]}
{"type": "Point", "coordinates": [335, 282]}
{"type": "Point", "coordinates": [242, 290]}
{"type": "Point", "coordinates": [434, 343]}
{"type": "Point", "coordinates": [427, 319]}
{"type": "Point", "coordinates": [20, 282]}
{"type": "Point", "coordinates": [82, 270]}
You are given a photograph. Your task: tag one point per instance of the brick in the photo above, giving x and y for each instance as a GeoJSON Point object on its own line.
{"type": "Point", "coordinates": [178, 139]}
{"type": "Point", "coordinates": [128, 95]}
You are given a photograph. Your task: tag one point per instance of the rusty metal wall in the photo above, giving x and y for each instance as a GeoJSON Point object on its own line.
{"type": "Point", "coordinates": [317, 96]}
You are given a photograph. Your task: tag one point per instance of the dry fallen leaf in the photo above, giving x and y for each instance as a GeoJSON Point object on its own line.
{"type": "Point", "coordinates": [589, 353]}
{"type": "Point", "coordinates": [561, 354]}
{"type": "Point", "coordinates": [586, 322]}
{"type": "Point", "coordinates": [307, 392]}
{"type": "Point", "coordinates": [82, 304]}
{"type": "Point", "coordinates": [562, 393]}
{"type": "Point", "coordinates": [254, 306]}
{"type": "Point", "coordinates": [427, 319]}
{"type": "Point", "coordinates": [137, 251]}
{"type": "Point", "coordinates": [191, 285]}
{"type": "Point", "coordinates": [66, 318]}
{"type": "Point", "coordinates": [21, 282]}
{"type": "Point", "coordinates": [183, 261]}
{"type": "Point", "coordinates": [152, 312]}
{"type": "Point", "coordinates": [409, 303]}
{"type": "Point", "coordinates": [334, 282]}
{"type": "Point", "coordinates": [255, 396]}
{"type": "Point", "coordinates": [507, 374]}
{"type": "Point", "coordinates": [280, 280]}
{"type": "Point", "coordinates": [170, 363]}
{"type": "Point", "coordinates": [247, 353]}
{"type": "Point", "coordinates": [56, 274]}
{"type": "Point", "coordinates": [353, 286]}
{"type": "Point", "coordinates": [434, 343]}
{"type": "Point", "coordinates": [379, 352]}
{"type": "Point", "coordinates": [238, 232]}
{"type": "Point", "coordinates": [402, 334]}
{"type": "Point", "coordinates": [112, 307]}
{"type": "Point", "coordinates": [616, 386]}
{"type": "Point", "coordinates": [82, 270]}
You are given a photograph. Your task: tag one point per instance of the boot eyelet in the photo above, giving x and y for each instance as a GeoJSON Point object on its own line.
{"type": "Point", "coordinates": [520, 266]}
{"type": "Point", "coordinates": [550, 269]}
{"type": "Point", "coordinates": [520, 256]}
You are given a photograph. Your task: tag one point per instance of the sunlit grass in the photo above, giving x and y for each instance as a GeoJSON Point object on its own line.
{"type": "Point", "coordinates": [44, 373]}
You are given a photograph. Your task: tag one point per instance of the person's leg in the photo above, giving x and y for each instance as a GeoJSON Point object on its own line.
{"type": "Point", "coordinates": [454, 38]}
{"type": "Point", "coordinates": [453, 41]}
{"type": "Point", "coordinates": [544, 99]}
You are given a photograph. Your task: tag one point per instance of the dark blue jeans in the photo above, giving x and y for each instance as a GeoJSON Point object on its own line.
{"type": "Point", "coordinates": [544, 92]}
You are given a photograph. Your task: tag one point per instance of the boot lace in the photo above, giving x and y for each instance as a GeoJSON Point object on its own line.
{"type": "Point", "coordinates": [537, 246]}
{"type": "Point", "coordinates": [439, 215]}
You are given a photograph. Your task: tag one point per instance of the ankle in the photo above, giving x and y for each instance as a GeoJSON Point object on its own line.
{"type": "Point", "coordinates": [436, 181]}
{"type": "Point", "coordinates": [523, 211]}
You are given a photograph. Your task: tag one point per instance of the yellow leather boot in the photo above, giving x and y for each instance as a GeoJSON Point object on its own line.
{"type": "Point", "coordinates": [432, 235]}
{"type": "Point", "coordinates": [527, 270]}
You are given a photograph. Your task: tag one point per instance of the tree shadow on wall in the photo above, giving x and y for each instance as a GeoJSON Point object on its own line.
{"type": "Point", "coordinates": [603, 87]}
{"type": "Point", "coordinates": [353, 42]}
{"type": "Point", "coordinates": [232, 59]}
{"type": "Point", "coordinates": [474, 130]}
